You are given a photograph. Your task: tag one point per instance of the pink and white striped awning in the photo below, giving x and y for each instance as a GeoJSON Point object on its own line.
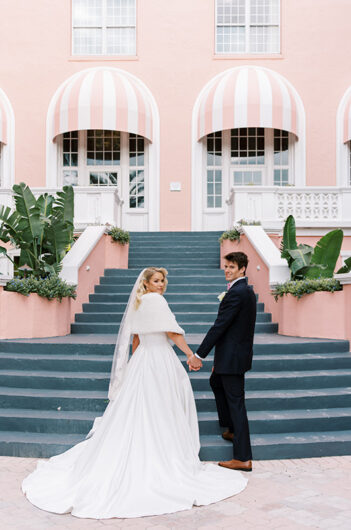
{"type": "Point", "coordinates": [248, 96]}
{"type": "Point", "coordinates": [347, 118]}
{"type": "Point", "coordinates": [3, 122]}
{"type": "Point", "coordinates": [103, 98]}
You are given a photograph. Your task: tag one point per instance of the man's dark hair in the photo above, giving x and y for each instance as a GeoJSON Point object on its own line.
{"type": "Point", "coordinates": [240, 258]}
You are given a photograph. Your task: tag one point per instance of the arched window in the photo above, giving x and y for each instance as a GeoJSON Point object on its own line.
{"type": "Point", "coordinates": [105, 158]}
{"type": "Point", "coordinates": [251, 156]}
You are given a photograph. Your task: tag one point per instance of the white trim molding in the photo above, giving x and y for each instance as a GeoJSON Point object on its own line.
{"type": "Point", "coordinates": [8, 148]}
{"type": "Point", "coordinates": [278, 268]}
{"type": "Point", "coordinates": [81, 249]}
{"type": "Point", "coordinates": [342, 149]}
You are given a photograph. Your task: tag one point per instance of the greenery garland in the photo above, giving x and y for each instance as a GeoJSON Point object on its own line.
{"type": "Point", "coordinates": [299, 288]}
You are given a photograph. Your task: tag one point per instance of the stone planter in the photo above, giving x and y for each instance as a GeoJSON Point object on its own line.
{"type": "Point", "coordinates": [321, 315]}
{"type": "Point", "coordinates": [33, 316]}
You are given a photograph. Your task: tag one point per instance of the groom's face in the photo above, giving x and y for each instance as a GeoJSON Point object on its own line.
{"type": "Point", "coordinates": [232, 271]}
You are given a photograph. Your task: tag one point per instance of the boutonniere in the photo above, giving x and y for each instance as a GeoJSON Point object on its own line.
{"type": "Point", "coordinates": [221, 296]}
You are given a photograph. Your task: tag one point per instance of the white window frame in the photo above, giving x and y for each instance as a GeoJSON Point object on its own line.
{"type": "Point", "coordinates": [247, 26]}
{"type": "Point", "coordinates": [104, 27]}
{"type": "Point", "coordinates": [122, 169]}
{"type": "Point", "coordinates": [228, 169]}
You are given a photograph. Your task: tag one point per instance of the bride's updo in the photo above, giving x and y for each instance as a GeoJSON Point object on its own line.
{"type": "Point", "coordinates": [146, 277]}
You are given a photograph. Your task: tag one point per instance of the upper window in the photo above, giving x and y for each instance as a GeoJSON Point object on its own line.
{"type": "Point", "coordinates": [104, 27]}
{"type": "Point", "coordinates": [247, 26]}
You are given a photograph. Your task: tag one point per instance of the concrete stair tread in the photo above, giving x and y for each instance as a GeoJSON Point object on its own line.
{"type": "Point", "coordinates": [49, 414]}
{"type": "Point", "coordinates": [281, 374]}
{"type": "Point", "coordinates": [262, 415]}
{"type": "Point", "coordinates": [56, 373]}
{"type": "Point", "coordinates": [283, 438]}
{"type": "Point", "coordinates": [42, 438]}
{"type": "Point", "coordinates": [53, 392]}
{"type": "Point", "coordinates": [295, 393]}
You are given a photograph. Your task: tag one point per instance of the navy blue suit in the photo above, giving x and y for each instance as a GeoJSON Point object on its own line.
{"type": "Point", "coordinates": [232, 336]}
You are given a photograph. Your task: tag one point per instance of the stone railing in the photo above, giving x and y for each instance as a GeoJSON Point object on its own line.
{"type": "Point", "coordinates": [322, 207]}
{"type": "Point", "coordinates": [92, 205]}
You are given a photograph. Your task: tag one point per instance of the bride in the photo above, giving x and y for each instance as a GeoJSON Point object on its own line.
{"type": "Point", "coordinates": [141, 456]}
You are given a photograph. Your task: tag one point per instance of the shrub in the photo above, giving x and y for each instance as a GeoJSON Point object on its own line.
{"type": "Point", "coordinates": [119, 235]}
{"type": "Point", "coordinates": [232, 235]}
{"type": "Point", "coordinates": [50, 287]}
{"type": "Point", "coordinates": [299, 288]}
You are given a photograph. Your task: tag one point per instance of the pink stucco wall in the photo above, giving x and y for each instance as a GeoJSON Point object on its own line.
{"type": "Point", "coordinates": [33, 316]}
{"type": "Point", "coordinates": [175, 43]}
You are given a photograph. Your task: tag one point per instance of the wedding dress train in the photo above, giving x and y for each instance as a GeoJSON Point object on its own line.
{"type": "Point", "coordinates": [143, 456]}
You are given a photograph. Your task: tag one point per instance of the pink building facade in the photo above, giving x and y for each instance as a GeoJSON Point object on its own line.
{"type": "Point", "coordinates": [180, 115]}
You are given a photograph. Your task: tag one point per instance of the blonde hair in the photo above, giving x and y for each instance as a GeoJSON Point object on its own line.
{"type": "Point", "coordinates": [146, 277]}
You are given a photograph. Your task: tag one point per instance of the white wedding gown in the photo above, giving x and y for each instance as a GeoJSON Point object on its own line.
{"type": "Point", "coordinates": [143, 457]}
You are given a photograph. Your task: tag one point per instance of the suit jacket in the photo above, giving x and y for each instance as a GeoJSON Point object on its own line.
{"type": "Point", "coordinates": [233, 331]}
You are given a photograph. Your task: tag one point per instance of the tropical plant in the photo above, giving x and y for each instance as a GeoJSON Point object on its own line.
{"type": "Point", "coordinates": [119, 235]}
{"type": "Point", "coordinates": [305, 261]}
{"type": "Point", "coordinates": [300, 288]}
{"type": "Point", "coordinates": [346, 267]}
{"type": "Point", "coordinates": [49, 287]}
{"type": "Point", "coordinates": [41, 228]}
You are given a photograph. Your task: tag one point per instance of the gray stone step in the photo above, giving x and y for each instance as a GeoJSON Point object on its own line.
{"type": "Point", "coordinates": [182, 318]}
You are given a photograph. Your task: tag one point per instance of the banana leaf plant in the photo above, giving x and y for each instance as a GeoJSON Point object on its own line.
{"type": "Point", "coordinates": [305, 261]}
{"type": "Point", "coordinates": [346, 267]}
{"type": "Point", "coordinates": [41, 228]}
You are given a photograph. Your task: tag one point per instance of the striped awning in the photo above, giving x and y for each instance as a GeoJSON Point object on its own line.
{"type": "Point", "coordinates": [103, 98]}
{"type": "Point", "coordinates": [248, 96]}
{"type": "Point", "coordinates": [3, 121]}
{"type": "Point", "coordinates": [347, 117]}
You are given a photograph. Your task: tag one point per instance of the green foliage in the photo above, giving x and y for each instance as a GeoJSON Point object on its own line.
{"type": "Point", "coordinates": [232, 235]}
{"type": "Point", "coordinates": [41, 228]}
{"type": "Point", "coordinates": [119, 235]}
{"type": "Point", "coordinates": [248, 222]}
{"type": "Point", "coordinates": [50, 287]}
{"type": "Point", "coordinates": [305, 261]}
{"type": "Point", "coordinates": [300, 288]}
{"type": "Point", "coordinates": [343, 270]}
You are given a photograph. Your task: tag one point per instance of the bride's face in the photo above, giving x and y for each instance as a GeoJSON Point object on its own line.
{"type": "Point", "coordinates": [156, 284]}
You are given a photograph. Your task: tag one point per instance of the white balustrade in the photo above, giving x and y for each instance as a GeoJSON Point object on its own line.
{"type": "Point", "coordinates": [315, 207]}
{"type": "Point", "coordinates": [93, 205]}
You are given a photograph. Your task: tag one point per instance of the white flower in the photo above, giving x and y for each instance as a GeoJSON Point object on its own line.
{"type": "Point", "coordinates": [221, 296]}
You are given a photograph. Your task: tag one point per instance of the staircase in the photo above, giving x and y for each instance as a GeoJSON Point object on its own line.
{"type": "Point", "coordinates": [298, 392]}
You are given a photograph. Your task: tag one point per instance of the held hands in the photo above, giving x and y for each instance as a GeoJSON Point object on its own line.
{"type": "Point", "coordinates": [194, 363]}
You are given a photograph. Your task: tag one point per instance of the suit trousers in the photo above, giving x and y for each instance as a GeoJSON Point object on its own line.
{"type": "Point", "coordinates": [229, 391]}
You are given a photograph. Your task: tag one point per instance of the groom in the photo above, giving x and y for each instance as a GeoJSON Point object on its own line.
{"type": "Point", "coordinates": [232, 335]}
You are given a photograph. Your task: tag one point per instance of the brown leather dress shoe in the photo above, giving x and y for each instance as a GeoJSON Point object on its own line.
{"type": "Point", "coordinates": [227, 435]}
{"type": "Point", "coordinates": [237, 464]}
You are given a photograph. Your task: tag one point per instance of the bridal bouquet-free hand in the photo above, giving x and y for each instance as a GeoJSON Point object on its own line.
{"type": "Point", "coordinates": [221, 296]}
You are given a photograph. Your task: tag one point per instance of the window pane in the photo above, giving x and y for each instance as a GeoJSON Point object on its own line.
{"type": "Point", "coordinates": [210, 201]}
{"type": "Point", "coordinates": [121, 41]}
{"type": "Point", "coordinates": [120, 13]}
{"type": "Point", "coordinates": [230, 39]}
{"type": "Point", "coordinates": [70, 178]}
{"type": "Point", "coordinates": [87, 41]}
{"type": "Point", "coordinates": [230, 12]}
{"type": "Point", "coordinates": [264, 39]}
{"type": "Point", "coordinates": [264, 12]}
{"type": "Point", "coordinates": [247, 146]}
{"type": "Point", "coordinates": [102, 178]}
{"type": "Point", "coordinates": [87, 12]}
{"type": "Point", "coordinates": [106, 145]}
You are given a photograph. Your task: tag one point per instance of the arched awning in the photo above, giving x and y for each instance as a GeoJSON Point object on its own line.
{"type": "Point", "coordinates": [103, 98]}
{"type": "Point", "coordinates": [347, 116]}
{"type": "Point", "coordinates": [248, 96]}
